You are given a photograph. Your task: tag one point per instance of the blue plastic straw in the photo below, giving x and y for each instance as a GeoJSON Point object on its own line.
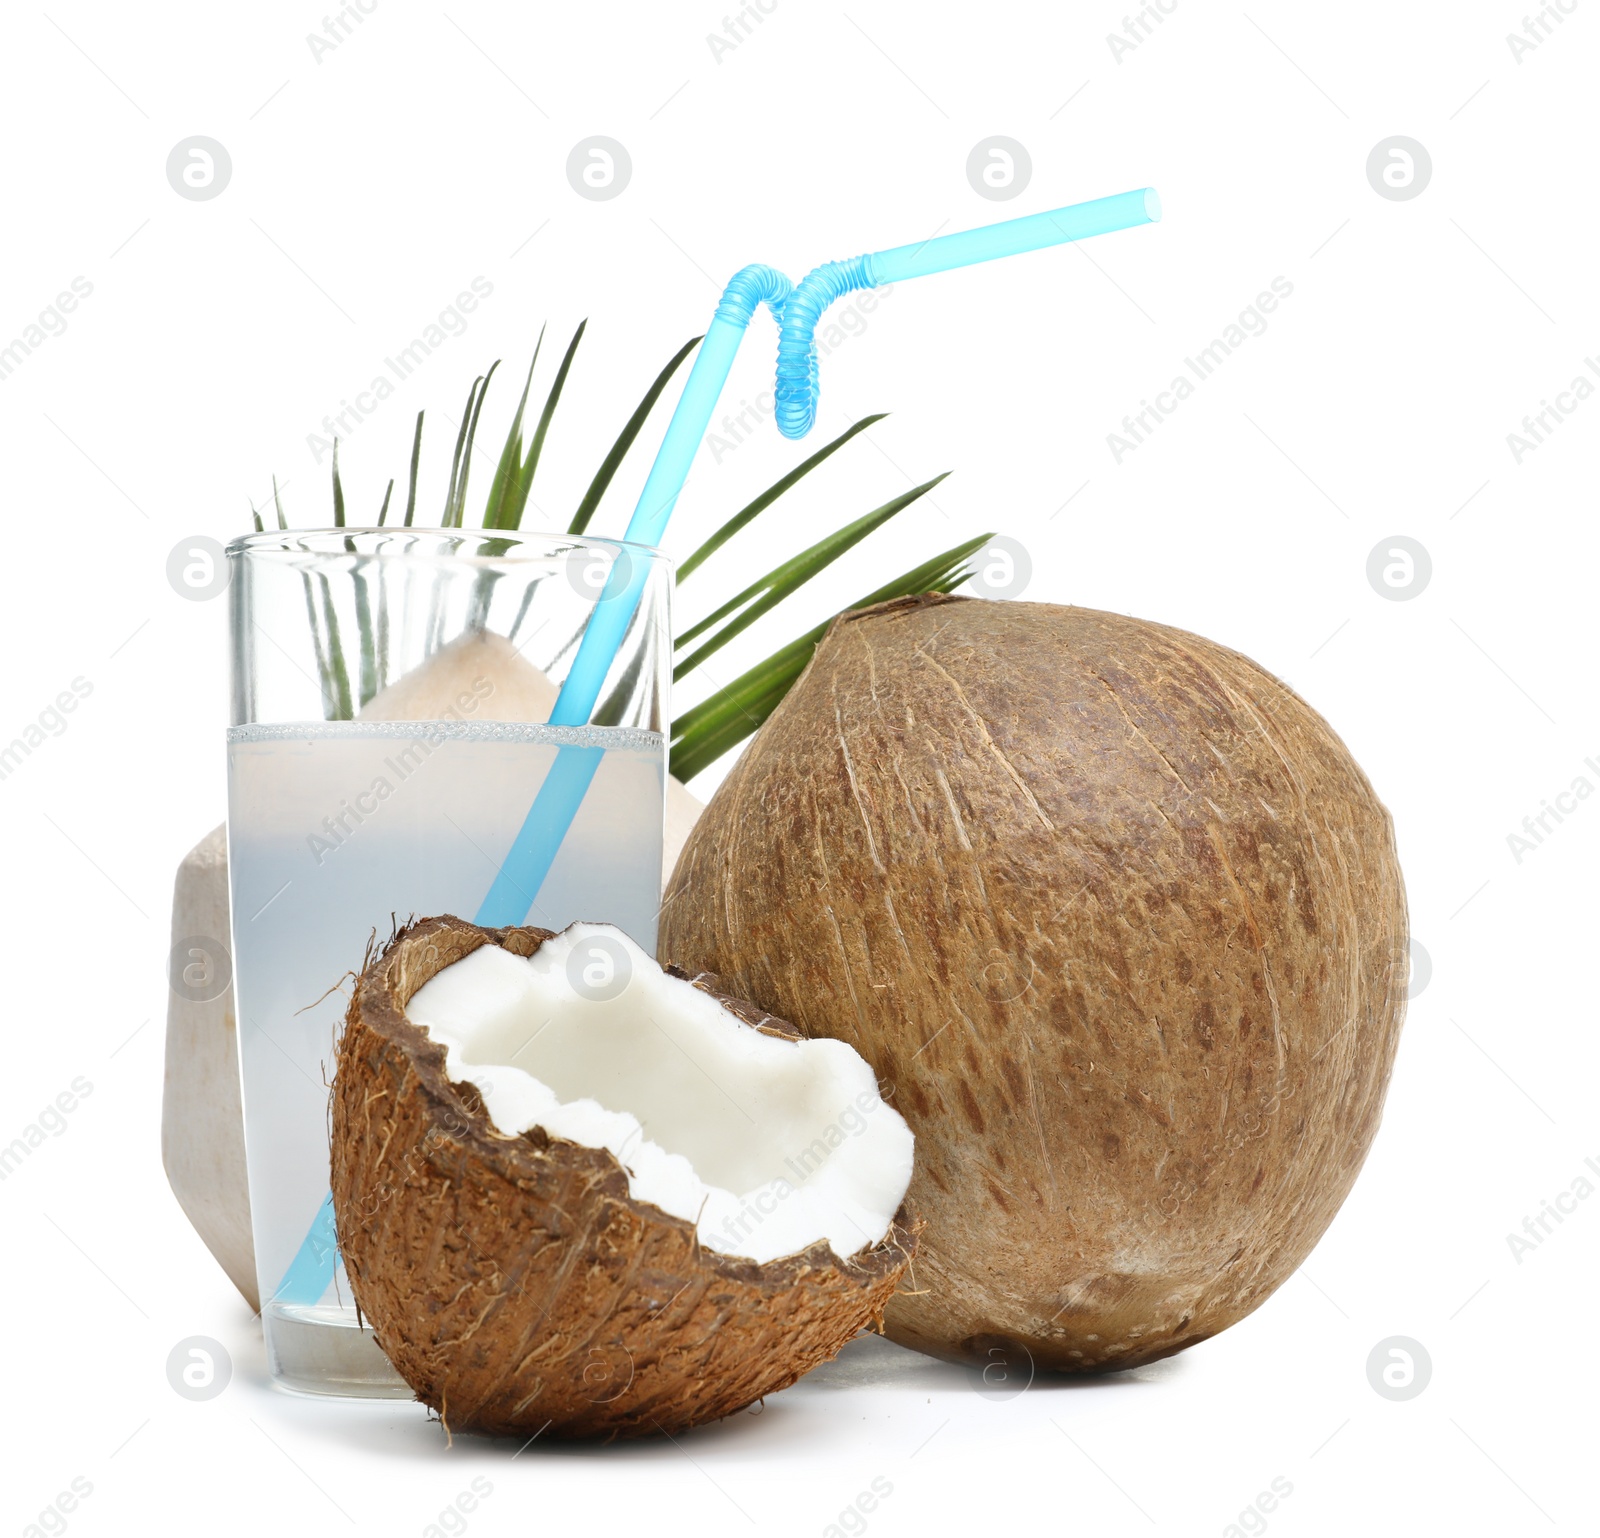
{"type": "Point", "coordinates": [797, 309]}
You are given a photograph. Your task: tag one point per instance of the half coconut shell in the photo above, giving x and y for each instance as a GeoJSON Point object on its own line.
{"type": "Point", "coordinates": [512, 1279]}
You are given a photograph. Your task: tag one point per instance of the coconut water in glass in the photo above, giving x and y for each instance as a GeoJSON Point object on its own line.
{"type": "Point", "coordinates": [391, 689]}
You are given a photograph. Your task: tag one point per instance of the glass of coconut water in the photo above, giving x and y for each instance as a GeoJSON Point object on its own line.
{"type": "Point", "coordinates": [388, 738]}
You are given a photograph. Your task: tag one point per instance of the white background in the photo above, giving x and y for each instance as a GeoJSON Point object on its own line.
{"type": "Point", "coordinates": [429, 148]}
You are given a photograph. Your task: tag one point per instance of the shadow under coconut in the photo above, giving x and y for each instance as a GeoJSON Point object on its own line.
{"type": "Point", "coordinates": [869, 1365]}
{"type": "Point", "coordinates": [875, 1362]}
{"type": "Point", "coordinates": [763, 1431]}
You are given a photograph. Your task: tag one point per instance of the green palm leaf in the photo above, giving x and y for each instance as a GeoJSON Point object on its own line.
{"type": "Point", "coordinates": [338, 490]}
{"type": "Point", "coordinates": [411, 490]}
{"type": "Point", "coordinates": [610, 464]}
{"type": "Point", "coordinates": [445, 520]}
{"type": "Point", "coordinates": [509, 469]}
{"type": "Point", "coordinates": [455, 510]}
{"type": "Point", "coordinates": [782, 580]}
{"type": "Point", "coordinates": [771, 495]}
{"type": "Point", "coordinates": [536, 447]}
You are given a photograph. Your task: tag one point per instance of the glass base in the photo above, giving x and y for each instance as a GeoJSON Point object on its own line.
{"type": "Point", "coordinates": [323, 1349]}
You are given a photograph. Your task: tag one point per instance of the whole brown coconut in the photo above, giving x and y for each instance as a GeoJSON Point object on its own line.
{"type": "Point", "coordinates": [513, 1281]}
{"type": "Point", "coordinates": [1120, 919]}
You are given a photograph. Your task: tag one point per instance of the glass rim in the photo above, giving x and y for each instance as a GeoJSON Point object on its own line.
{"type": "Point", "coordinates": [303, 542]}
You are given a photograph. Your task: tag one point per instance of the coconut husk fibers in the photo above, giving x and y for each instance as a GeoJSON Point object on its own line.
{"type": "Point", "coordinates": [513, 1281]}
{"type": "Point", "coordinates": [1121, 921]}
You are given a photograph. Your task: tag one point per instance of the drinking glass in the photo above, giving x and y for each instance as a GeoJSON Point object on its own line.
{"type": "Point", "coordinates": [391, 689]}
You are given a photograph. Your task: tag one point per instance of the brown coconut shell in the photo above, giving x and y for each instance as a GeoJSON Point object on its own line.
{"type": "Point", "coordinates": [1121, 921]}
{"type": "Point", "coordinates": [513, 1281]}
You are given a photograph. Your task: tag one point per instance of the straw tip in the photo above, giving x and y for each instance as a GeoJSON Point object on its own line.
{"type": "Point", "coordinates": [1152, 205]}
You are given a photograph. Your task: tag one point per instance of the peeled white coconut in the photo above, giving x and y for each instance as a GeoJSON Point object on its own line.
{"type": "Point", "coordinates": [434, 690]}
{"type": "Point", "coordinates": [767, 1144]}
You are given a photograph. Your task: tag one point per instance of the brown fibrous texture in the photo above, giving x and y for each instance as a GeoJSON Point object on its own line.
{"type": "Point", "coordinates": [513, 1281]}
{"type": "Point", "coordinates": [1120, 920]}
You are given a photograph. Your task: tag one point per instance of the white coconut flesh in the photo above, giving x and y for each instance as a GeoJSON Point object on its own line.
{"type": "Point", "coordinates": [766, 1145]}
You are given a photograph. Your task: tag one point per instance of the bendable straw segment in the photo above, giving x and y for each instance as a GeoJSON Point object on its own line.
{"type": "Point", "coordinates": [798, 382]}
